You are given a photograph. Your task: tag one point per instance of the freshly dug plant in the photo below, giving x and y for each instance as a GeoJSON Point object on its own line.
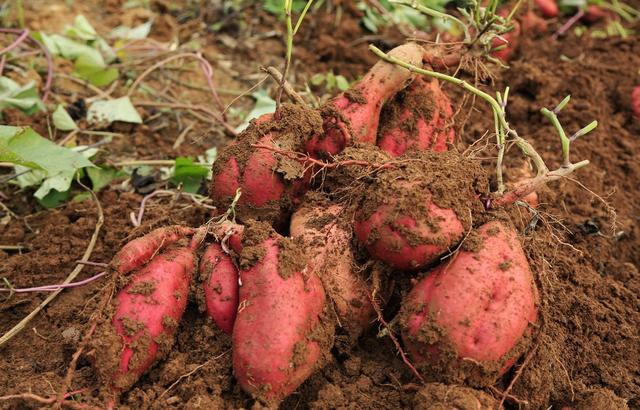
{"type": "Point", "coordinates": [413, 214]}
{"type": "Point", "coordinates": [220, 284]}
{"type": "Point", "coordinates": [326, 234]}
{"type": "Point", "coordinates": [548, 8]}
{"type": "Point", "coordinates": [146, 314]}
{"type": "Point", "coordinates": [635, 101]}
{"type": "Point", "coordinates": [270, 183]}
{"type": "Point", "coordinates": [277, 340]}
{"type": "Point", "coordinates": [353, 116]}
{"type": "Point", "coordinates": [469, 319]}
{"type": "Point", "coordinates": [138, 251]}
{"type": "Point", "coordinates": [418, 118]}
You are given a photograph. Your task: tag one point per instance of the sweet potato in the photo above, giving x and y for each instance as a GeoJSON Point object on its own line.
{"type": "Point", "coordinates": [594, 13]}
{"type": "Point", "coordinates": [533, 24]}
{"type": "Point", "coordinates": [220, 283]}
{"type": "Point", "coordinates": [635, 101]}
{"type": "Point", "coordinates": [353, 116]}
{"type": "Point", "coordinates": [274, 348]}
{"type": "Point", "coordinates": [146, 316]}
{"type": "Point", "coordinates": [417, 119]}
{"type": "Point", "coordinates": [468, 318]}
{"type": "Point", "coordinates": [409, 241]}
{"type": "Point", "coordinates": [270, 183]}
{"type": "Point", "coordinates": [510, 41]}
{"type": "Point", "coordinates": [548, 8]}
{"type": "Point", "coordinates": [327, 242]}
{"type": "Point", "coordinates": [138, 251]}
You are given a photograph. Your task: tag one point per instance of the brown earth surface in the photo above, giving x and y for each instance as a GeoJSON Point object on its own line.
{"type": "Point", "coordinates": [583, 245]}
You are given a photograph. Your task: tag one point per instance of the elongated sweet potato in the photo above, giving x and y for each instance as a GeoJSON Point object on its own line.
{"type": "Point", "coordinates": [138, 251]}
{"type": "Point", "coordinates": [417, 119]}
{"type": "Point", "coordinates": [353, 116]}
{"type": "Point", "coordinates": [274, 348]}
{"type": "Point", "coordinates": [327, 242]}
{"type": "Point", "coordinates": [467, 319]}
{"type": "Point", "coordinates": [146, 316]}
{"type": "Point", "coordinates": [220, 283]}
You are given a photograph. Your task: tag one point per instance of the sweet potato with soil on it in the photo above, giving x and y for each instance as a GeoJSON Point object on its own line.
{"type": "Point", "coordinates": [353, 116]}
{"type": "Point", "coordinates": [146, 315]}
{"type": "Point", "coordinates": [327, 242]}
{"type": "Point", "coordinates": [270, 183]}
{"type": "Point", "coordinates": [276, 343]}
{"type": "Point", "coordinates": [468, 319]}
{"type": "Point", "coordinates": [220, 284]}
{"type": "Point", "coordinates": [138, 251]}
{"type": "Point", "coordinates": [418, 118]}
{"type": "Point", "coordinates": [635, 101]}
{"type": "Point", "coordinates": [411, 215]}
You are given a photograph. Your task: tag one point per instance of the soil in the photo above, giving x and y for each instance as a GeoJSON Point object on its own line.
{"type": "Point", "coordinates": [583, 243]}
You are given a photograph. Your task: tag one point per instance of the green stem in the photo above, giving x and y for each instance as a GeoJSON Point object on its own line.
{"type": "Point", "coordinates": [551, 115]}
{"type": "Point", "coordinates": [304, 12]}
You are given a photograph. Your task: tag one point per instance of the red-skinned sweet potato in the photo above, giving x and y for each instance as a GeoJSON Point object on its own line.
{"type": "Point", "coordinates": [138, 251]}
{"type": "Point", "coordinates": [274, 349]}
{"type": "Point", "coordinates": [327, 242]}
{"type": "Point", "coordinates": [417, 119]}
{"type": "Point", "coordinates": [353, 116]}
{"type": "Point", "coordinates": [548, 8]}
{"type": "Point", "coordinates": [465, 319]}
{"type": "Point", "coordinates": [270, 183]}
{"type": "Point", "coordinates": [220, 284]}
{"type": "Point", "coordinates": [405, 241]}
{"type": "Point", "coordinates": [147, 313]}
{"type": "Point", "coordinates": [510, 41]}
{"type": "Point", "coordinates": [594, 13]}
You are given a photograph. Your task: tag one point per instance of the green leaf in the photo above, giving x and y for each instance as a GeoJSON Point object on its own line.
{"type": "Point", "coordinates": [105, 112]}
{"type": "Point", "coordinates": [81, 28]}
{"type": "Point", "coordinates": [342, 83]}
{"type": "Point", "coordinates": [62, 120]}
{"type": "Point", "coordinates": [23, 97]}
{"type": "Point", "coordinates": [101, 177]}
{"type": "Point", "coordinates": [23, 146]}
{"type": "Point", "coordinates": [317, 79]}
{"type": "Point", "coordinates": [81, 197]}
{"type": "Point", "coordinates": [136, 33]}
{"type": "Point", "coordinates": [100, 77]}
{"type": "Point", "coordinates": [264, 105]}
{"type": "Point", "coordinates": [71, 49]}
{"type": "Point", "coordinates": [189, 174]}
{"type": "Point", "coordinates": [54, 199]}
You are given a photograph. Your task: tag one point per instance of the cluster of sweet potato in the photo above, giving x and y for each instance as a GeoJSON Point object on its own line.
{"type": "Point", "coordinates": [336, 206]}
